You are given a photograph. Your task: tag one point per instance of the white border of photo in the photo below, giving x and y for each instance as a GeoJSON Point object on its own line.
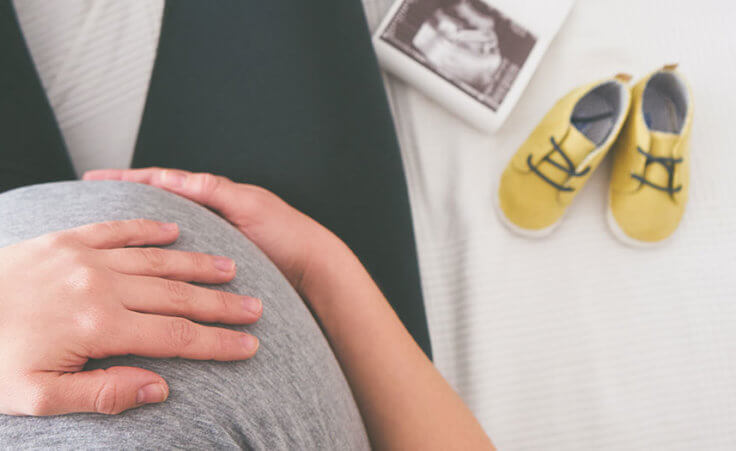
{"type": "Point", "coordinates": [542, 18]}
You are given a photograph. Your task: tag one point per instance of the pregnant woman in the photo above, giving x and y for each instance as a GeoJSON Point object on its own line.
{"type": "Point", "coordinates": [185, 303]}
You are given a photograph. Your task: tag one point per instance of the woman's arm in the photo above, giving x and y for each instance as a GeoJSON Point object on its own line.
{"type": "Point", "coordinates": [405, 402]}
{"type": "Point", "coordinates": [403, 399]}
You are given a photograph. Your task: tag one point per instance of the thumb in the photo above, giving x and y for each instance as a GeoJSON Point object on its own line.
{"type": "Point", "coordinates": [109, 391]}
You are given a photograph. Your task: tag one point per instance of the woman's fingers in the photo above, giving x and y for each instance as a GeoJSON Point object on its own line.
{"type": "Point", "coordinates": [171, 297]}
{"type": "Point", "coordinates": [165, 336]}
{"type": "Point", "coordinates": [114, 234]}
{"type": "Point", "coordinates": [291, 239]}
{"type": "Point", "coordinates": [232, 200]}
{"type": "Point", "coordinates": [128, 175]}
{"type": "Point", "coordinates": [172, 264]}
{"type": "Point", "coordinates": [108, 391]}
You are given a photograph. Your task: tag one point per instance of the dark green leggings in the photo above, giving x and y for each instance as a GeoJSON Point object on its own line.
{"type": "Point", "coordinates": [285, 94]}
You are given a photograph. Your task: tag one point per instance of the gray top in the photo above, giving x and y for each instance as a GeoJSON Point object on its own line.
{"type": "Point", "coordinates": [292, 395]}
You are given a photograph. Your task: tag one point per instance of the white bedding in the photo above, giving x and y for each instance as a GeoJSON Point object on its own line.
{"type": "Point", "coordinates": [574, 342]}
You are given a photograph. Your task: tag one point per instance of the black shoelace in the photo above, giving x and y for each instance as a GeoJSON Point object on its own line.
{"type": "Point", "coordinates": [669, 165]}
{"type": "Point", "coordinates": [569, 169]}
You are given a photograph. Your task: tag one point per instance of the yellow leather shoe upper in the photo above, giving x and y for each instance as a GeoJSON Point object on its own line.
{"type": "Point", "coordinates": [559, 156]}
{"type": "Point", "coordinates": [651, 171]}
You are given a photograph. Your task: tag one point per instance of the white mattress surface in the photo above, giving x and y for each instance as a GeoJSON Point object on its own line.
{"type": "Point", "coordinates": [573, 342]}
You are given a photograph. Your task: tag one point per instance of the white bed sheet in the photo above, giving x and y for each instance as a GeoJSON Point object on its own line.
{"type": "Point", "coordinates": [574, 342]}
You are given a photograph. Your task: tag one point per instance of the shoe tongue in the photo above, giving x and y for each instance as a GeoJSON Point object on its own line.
{"type": "Point", "coordinates": [662, 144]}
{"type": "Point", "coordinates": [576, 146]}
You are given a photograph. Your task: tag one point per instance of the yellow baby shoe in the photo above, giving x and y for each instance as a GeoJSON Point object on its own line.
{"type": "Point", "coordinates": [559, 156]}
{"type": "Point", "coordinates": [650, 178]}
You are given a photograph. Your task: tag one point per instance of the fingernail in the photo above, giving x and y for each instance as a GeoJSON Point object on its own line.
{"type": "Point", "coordinates": [249, 342]}
{"type": "Point", "coordinates": [224, 264]}
{"type": "Point", "coordinates": [252, 305]}
{"type": "Point", "coordinates": [173, 179]}
{"type": "Point", "coordinates": [151, 393]}
{"type": "Point", "coordinates": [168, 226]}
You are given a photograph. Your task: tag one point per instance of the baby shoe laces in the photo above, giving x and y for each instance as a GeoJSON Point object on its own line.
{"type": "Point", "coordinates": [568, 169]}
{"type": "Point", "coordinates": [669, 165]}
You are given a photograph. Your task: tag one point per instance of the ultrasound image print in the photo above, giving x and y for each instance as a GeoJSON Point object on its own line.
{"type": "Point", "coordinates": [467, 42]}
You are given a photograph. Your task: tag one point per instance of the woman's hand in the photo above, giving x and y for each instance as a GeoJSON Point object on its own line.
{"type": "Point", "coordinates": [296, 243]}
{"type": "Point", "coordinates": [81, 294]}
{"type": "Point", "coordinates": [404, 401]}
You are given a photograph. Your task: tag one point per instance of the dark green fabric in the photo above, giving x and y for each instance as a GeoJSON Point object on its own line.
{"type": "Point", "coordinates": [285, 94]}
{"type": "Point", "coordinates": [31, 147]}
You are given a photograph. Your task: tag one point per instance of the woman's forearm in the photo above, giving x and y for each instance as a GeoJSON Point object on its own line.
{"type": "Point", "coordinates": [405, 402]}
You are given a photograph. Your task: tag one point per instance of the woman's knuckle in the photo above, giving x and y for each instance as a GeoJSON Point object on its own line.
{"type": "Point", "coordinates": [225, 340]}
{"type": "Point", "coordinates": [111, 228]}
{"type": "Point", "coordinates": [208, 183]}
{"type": "Point", "coordinates": [55, 240]}
{"type": "Point", "coordinates": [182, 332]}
{"type": "Point", "coordinates": [84, 280]}
{"type": "Point", "coordinates": [260, 191]}
{"type": "Point", "coordinates": [180, 293]}
{"type": "Point", "coordinates": [223, 299]}
{"type": "Point", "coordinates": [76, 257]}
{"type": "Point", "coordinates": [89, 322]}
{"type": "Point", "coordinates": [153, 258]}
{"type": "Point", "coordinates": [258, 199]}
{"type": "Point", "coordinates": [141, 226]}
{"type": "Point", "coordinates": [107, 399]}
{"type": "Point", "coordinates": [198, 261]}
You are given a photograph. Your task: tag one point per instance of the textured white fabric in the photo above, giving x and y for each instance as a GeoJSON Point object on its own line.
{"type": "Point", "coordinates": [94, 58]}
{"type": "Point", "coordinates": [574, 342]}
{"type": "Point", "coordinates": [577, 342]}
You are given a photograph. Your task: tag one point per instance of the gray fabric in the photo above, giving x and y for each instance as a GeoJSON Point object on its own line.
{"type": "Point", "coordinates": [665, 102]}
{"type": "Point", "coordinates": [292, 395]}
{"type": "Point", "coordinates": [603, 103]}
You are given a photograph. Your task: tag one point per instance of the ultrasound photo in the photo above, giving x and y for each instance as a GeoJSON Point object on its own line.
{"type": "Point", "coordinates": [467, 42]}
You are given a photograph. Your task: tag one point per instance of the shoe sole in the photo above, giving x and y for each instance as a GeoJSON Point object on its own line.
{"type": "Point", "coordinates": [534, 234]}
{"type": "Point", "coordinates": [626, 239]}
